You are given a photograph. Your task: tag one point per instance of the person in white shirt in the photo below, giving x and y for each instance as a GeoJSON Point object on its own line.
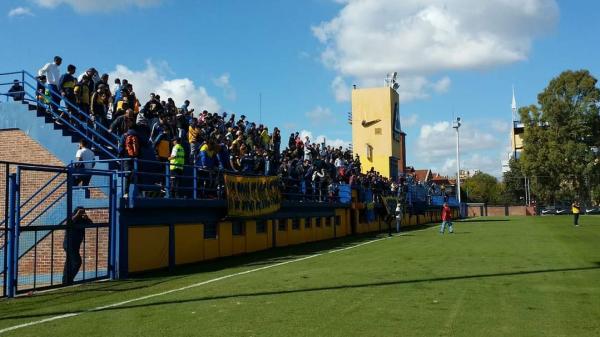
{"type": "Point", "coordinates": [84, 160]}
{"type": "Point", "coordinates": [52, 73]}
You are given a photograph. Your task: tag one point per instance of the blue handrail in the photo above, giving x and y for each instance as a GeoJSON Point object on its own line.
{"type": "Point", "coordinates": [83, 124]}
{"type": "Point", "coordinates": [70, 104]}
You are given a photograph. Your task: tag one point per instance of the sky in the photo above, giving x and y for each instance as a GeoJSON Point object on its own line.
{"type": "Point", "coordinates": [291, 64]}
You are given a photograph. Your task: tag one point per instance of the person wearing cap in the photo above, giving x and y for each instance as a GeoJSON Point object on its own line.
{"type": "Point", "coordinates": [16, 91]}
{"type": "Point", "coordinates": [177, 160]}
{"type": "Point", "coordinates": [73, 238]}
{"type": "Point", "coordinates": [52, 73]}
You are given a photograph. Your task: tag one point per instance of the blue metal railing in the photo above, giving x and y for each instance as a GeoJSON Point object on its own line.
{"type": "Point", "coordinates": [95, 133]}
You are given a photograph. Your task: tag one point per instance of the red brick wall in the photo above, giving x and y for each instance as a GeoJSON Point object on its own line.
{"type": "Point", "coordinates": [485, 210]}
{"type": "Point", "coordinates": [48, 257]}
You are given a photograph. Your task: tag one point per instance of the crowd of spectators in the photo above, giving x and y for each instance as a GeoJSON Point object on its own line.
{"type": "Point", "coordinates": [213, 142]}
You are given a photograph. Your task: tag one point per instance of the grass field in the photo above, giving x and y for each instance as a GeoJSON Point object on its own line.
{"type": "Point", "coordinates": [535, 276]}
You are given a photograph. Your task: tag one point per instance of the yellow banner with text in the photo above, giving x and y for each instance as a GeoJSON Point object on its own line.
{"type": "Point", "coordinates": [252, 196]}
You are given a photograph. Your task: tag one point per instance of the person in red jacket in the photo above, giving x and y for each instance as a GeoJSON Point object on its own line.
{"type": "Point", "coordinates": [446, 219]}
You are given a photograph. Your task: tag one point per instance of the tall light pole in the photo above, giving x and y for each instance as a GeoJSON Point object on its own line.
{"type": "Point", "coordinates": [456, 125]}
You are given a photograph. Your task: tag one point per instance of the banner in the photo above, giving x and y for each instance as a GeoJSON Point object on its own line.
{"type": "Point", "coordinates": [252, 196]}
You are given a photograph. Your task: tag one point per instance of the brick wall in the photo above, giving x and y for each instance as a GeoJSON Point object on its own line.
{"type": "Point", "coordinates": [486, 210]}
{"type": "Point", "coordinates": [48, 257]}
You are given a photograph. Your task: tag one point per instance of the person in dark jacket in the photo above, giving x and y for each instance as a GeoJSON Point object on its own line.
{"type": "Point", "coordinates": [74, 235]}
{"type": "Point", "coordinates": [16, 91]}
{"type": "Point", "coordinates": [66, 85]}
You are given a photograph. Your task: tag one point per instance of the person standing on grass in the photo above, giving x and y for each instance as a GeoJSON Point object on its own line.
{"type": "Point", "coordinates": [446, 219]}
{"type": "Point", "coordinates": [72, 242]}
{"type": "Point", "coordinates": [576, 209]}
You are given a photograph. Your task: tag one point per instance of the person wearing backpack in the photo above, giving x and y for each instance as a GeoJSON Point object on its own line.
{"type": "Point", "coordinates": [130, 151]}
{"type": "Point", "coordinates": [177, 160]}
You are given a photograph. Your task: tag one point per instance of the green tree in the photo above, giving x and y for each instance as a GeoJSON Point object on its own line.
{"type": "Point", "coordinates": [561, 136]}
{"type": "Point", "coordinates": [514, 184]}
{"type": "Point", "coordinates": [483, 187]}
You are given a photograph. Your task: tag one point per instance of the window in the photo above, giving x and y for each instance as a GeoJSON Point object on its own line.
{"type": "Point", "coordinates": [307, 223]}
{"type": "Point", "coordinates": [328, 221]}
{"type": "Point", "coordinates": [369, 152]}
{"type": "Point", "coordinates": [338, 220]}
{"type": "Point", "coordinates": [378, 131]}
{"type": "Point", "coordinates": [210, 230]}
{"type": "Point", "coordinates": [296, 224]}
{"type": "Point", "coordinates": [319, 222]}
{"type": "Point", "coordinates": [238, 228]}
{"type": "Point", "coordinates": [281, 225]}
{"type": "Point", "coordinates": [261, 226]}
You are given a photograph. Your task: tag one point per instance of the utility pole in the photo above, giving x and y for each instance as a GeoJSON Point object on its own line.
{"type": "Point", "coordinates": [457, 126]}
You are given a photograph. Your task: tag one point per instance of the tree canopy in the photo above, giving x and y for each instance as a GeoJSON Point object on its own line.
{"type": "Point", "coordinates": [562, 137]}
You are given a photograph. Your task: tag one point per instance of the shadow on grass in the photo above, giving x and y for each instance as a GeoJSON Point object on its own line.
{"type": "Point", "coordinates": [157, 277]}
{"type": "Point", "coordinates": [484, 220]}
{"type": "Point", "coordinates": [316, 289]}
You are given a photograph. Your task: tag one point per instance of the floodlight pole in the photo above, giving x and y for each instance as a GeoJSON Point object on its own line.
{"type": "Point", "coordinates": [457, 126]}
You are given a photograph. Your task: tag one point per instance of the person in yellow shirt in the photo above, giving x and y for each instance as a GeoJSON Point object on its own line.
{"type": "Point", "coordinates": [575, 209]}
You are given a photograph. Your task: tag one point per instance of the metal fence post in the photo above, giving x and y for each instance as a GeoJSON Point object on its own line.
{"type": "Point", "coordinates": [168, 182]}
{"type": "Point", "coordinates": [10, 270]}
{"type": "Point", "coordinates": [195, 181]}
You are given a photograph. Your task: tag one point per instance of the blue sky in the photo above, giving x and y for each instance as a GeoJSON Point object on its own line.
{"type": "Point", "coordinates": [460, 56]}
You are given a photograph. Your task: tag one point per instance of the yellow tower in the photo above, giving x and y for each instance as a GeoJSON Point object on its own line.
{"type": "Point", "coordinates": [377, 135]}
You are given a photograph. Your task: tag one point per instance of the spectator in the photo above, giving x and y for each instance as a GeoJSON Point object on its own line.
{"type": "Point", "coordinates": [42, 94]}
{"type": "Point", "coordinates": [83, 94]}
{"type": "Point", "coordinates": [84, 159]}
{"type": "Point", "coordinates": [72, 242]}
{"type": "Point", "coordinates": [16, 91]}
{"type": "Point", "coordinates": [52, 73]}
{"type": "Point", "coordinates": [177, 159]}
{"type": "Point", "coordinates": [66, 85]}
{"type": "Point", "coordinates": [131, 151]}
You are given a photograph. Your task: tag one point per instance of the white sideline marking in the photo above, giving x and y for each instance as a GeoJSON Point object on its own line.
{"type": "Point", "coordinates": [118, 304]}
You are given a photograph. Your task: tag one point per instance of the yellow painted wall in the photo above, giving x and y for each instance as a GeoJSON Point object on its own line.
{"type": "Point", "coordinates": [189, 243]}
{"type": "Point", "coordinates": [281, 235]}
{"type": "Point", "coordinates": [270, 233]}
{"type": "Point", "coordinates": [255, 241]}
{"type": "Point", "coordinates": [225, 239]}
{"type": "Point", "coordinates": [371, 104]}
{"type": "Point", "coordinates": [296, 236]}
{"type": "Point", "coordinates": [309, 232]}
{"type": "Point", "coordinates": [148, 247]}
{"type": "Point", "coordinates": [211, 249]}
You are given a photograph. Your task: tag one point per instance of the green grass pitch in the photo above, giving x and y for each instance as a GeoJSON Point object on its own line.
{"type": "Point", "coordinates": [534, 276]}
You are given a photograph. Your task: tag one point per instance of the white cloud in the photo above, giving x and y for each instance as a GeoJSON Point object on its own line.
{"type": "Point", "coordinates": [369, 38]}
{"type": "Point", "coordinates": [319, 115]}
{"type": "Point", "coordinates": [471, 163]}
{"type": "Point", "coordinates": [341, 90]}
{"type": "Point", "coordinates": [154, 79]}
{"type": "Point", "coordinates": [408, 121]}
{"type": "Point", "coordinates": [500, 126]}
{"type": "Point", "coordinates": [224, 83]}
{"type": "Point", "coordinates": [438, 141]}
{"type": "Point", "coordinates": [20, 11]}
{"type": "Point", "coordinates": [86, 6]}
{"type": "Point", "coordinates": [335, 142]}
{"type": "Point", "coordinates": [442, 85]}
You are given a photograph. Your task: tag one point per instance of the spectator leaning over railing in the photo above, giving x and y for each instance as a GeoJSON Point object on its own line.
{"type": "Point", "coordinates": [16, 91]}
